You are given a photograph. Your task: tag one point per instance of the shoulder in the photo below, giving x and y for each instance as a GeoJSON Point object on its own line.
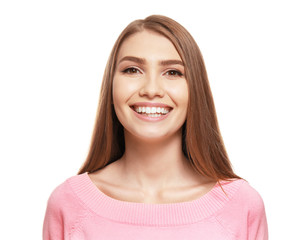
{"type": "Point", "coordinates": [63, 200]}
{"type": "Point", "coordinates": [62, 193]}
{"type": "Point", "coordinates": [248, 198]}
{"type": "Point", "coordinates": [243, 197]}
{"type": "Point", "coordinates": [64, 211]}
{"type": "Point", "coordinates": [244, 213]}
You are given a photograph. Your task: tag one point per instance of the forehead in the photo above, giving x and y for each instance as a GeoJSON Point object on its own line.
{"type": "Point", "coordinates": [149, 45]}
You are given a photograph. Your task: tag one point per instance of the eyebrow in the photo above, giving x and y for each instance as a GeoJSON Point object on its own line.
{"type": "Point", "coordinates": [143, 61]}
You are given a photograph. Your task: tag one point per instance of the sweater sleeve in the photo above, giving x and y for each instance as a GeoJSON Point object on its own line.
{"type": "Point", "coordinates": [62, 213]}
{"type": "Point", "coordinates": [53, 221]}
{"type": "Point", "coordinates": [257, 221]}
{"type": "Point", "coordinates": [244, 217]}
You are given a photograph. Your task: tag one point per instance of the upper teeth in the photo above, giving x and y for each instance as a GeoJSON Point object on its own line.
{"type": "Point", "coordinates": [149, 110]}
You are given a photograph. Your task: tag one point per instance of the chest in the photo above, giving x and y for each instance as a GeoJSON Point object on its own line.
{"type": "Point", "coordinates": [97, 228]}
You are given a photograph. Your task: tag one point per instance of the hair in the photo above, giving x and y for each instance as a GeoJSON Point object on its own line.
{"type": "Point", "coordinates": [202, 143]}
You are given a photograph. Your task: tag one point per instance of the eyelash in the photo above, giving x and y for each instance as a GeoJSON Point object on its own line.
{"type": "Point", "coordinates": [177, 73]}
{"type": "Point", "coordinates": [131, 69]}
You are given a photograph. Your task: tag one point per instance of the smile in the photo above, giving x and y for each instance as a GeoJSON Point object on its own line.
{"type": "Point", "coordinates": [152, 111]}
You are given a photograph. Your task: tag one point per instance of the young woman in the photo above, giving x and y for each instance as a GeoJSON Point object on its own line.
{"type": "Point", "coordinates": [157, 166]}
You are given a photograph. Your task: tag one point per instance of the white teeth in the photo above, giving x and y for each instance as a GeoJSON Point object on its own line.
{"type": "Point", "coordinates": [154, 115]}
{"type": "Point", "coordinates": [152, 111]}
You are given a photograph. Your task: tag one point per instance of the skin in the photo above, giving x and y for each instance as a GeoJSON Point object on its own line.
{"type": "Point", "coordinates": [153, 168]}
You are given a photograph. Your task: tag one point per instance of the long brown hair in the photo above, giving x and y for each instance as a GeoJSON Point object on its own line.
{"type": "Point", "coordinates": [202, 141]}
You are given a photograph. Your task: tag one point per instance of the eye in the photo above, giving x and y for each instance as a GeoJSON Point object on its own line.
{"type": "Point", "coordinates": [131, 70]}
{"type": "Point", "coordinates": [174, 73]}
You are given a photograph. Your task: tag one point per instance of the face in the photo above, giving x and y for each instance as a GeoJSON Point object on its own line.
{"type": "Point", "coordinates": [150, 92]}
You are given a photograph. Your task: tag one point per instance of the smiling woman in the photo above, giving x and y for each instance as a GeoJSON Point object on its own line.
{"type": "Point", "coordinates": [157, 166]}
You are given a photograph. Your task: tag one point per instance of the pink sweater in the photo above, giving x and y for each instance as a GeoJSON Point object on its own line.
{"type": "Point", "coordinates": [78, 210]}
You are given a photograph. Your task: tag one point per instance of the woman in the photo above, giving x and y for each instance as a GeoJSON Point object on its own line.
{"type": "Point", "coordinates": [157, 166]}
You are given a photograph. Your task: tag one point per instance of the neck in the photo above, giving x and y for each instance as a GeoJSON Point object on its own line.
{"type": "Point", "coordinates": [155, 165]}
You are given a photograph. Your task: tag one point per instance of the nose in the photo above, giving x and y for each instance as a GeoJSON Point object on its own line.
{"type": "Point", "coordinates": [152, 87]}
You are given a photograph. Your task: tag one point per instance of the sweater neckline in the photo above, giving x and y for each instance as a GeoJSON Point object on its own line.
{"type": "Point", "coordinates": [164, 214]}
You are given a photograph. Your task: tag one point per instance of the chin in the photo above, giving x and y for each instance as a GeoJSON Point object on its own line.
{"type": "Point", "coordinates": [154, 136]}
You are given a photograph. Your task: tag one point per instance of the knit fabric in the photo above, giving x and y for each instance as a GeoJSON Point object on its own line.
{"type": "Point", "coordinates": [78, 210]}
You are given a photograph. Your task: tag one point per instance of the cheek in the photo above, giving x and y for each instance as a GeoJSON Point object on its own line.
{"type": "Point", "coordinates": [119, 91]}
{"type": "Point", "coordinates": [118, 97]}
{"type": "Point", "coordinates": [180, 94]}
{"type": "Point", "coordinates": [123, 89]}
{"type": "Point", "coordinates": [116, 92]}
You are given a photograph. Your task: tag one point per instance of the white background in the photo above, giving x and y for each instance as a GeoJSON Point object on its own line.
{"type": "Point", "coordinates": [52, 57]}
